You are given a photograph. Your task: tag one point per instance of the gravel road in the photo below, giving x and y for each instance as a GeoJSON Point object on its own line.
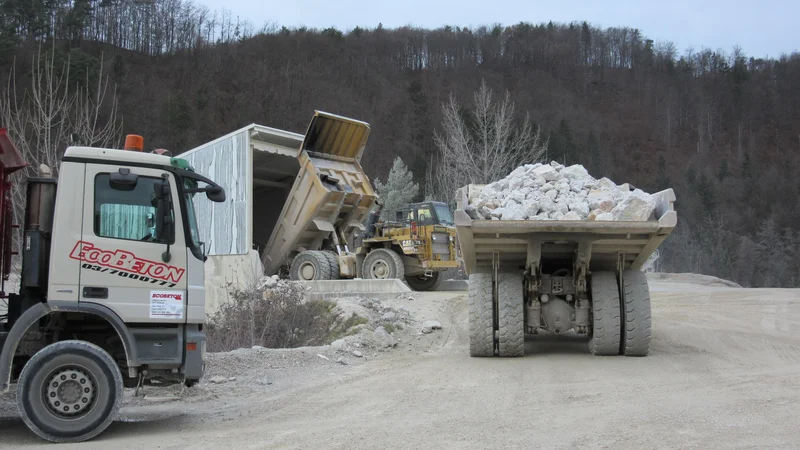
{"type": "Point", "coordinates": [722, 373]}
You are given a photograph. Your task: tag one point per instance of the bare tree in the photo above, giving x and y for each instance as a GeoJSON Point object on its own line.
{"type": "Point", "coordinates": [484, 152]}
{"type": "Point", "coordinates": [48, 116]}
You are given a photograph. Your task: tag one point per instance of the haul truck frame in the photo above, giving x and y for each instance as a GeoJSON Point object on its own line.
{"type": "Point", "coordinates": [528, 277]}
{"type": "Point", "coordinates": [111, 291]}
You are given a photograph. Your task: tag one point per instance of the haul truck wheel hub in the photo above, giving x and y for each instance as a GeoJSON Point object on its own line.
{"type": "Point", "coordinates": [308, 271]}
{"type": "Point", "coordinates": [379, 270]}
{"type": "Point", "coordinates": [70, 391]}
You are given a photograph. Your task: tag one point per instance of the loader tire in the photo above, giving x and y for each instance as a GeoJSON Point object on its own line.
{"type": "Point", "coordinates": [606, 318]}
{"type": "Point", "coordinates": [481, 315]}
{"type": "Point", "coordinates": [310, 265]}
{"type": "Point", "coordinates": [511, 315]}
{"type": "Point", "coordinates": [423, 283]}
{"type": "Point", "coordinates": [69, 391]}
{"type": "Point", "coordinates": [382, 264]}
{"type": "Point", "coordinates": [333, 260]}
{"type": "Point", "coordinates": [636, 330]}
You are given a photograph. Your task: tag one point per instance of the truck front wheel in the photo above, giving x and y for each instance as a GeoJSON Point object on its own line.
{"type": "Point", "coordinates": [69, 391]}
{"type": "Point", "coordinates": [383, 264]}
{"type": "Point", "coordinates": [423, 283]}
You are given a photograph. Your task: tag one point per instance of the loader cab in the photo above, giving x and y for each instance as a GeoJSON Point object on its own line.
{"type": "Point", "coordinates": [425, 213]}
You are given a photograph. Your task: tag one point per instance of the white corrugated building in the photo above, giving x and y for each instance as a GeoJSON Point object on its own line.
{"type": "Point", "coordinates": [244, 162]}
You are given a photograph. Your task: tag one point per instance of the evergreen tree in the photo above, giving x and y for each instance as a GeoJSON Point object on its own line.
{"type": "Point", "coordinates": [399, 188]}
{"type": "Point", "coordinates": [723, 171]}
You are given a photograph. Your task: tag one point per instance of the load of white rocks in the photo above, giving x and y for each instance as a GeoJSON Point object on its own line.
{"type": "Point", "coordinates": [555, 192]}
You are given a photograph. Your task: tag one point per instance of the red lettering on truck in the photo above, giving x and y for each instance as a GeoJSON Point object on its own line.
{"type": "Point", "coordinates": [125, 261]}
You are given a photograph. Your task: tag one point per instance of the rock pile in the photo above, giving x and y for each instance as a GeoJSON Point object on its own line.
{"type": "Point", "coordinates": [556, 192]}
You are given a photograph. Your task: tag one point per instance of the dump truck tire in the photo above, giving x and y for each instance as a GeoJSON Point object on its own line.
{"type": "Point", "coordinates": [511, 315]}
{"type": "Point", "coordinates": [636, 313]}
{"type": "Point", "coordinates": [69, 391]}
{"type": "Point", "coordinates": [606, 318]}
{"type": "Point", "coordinates": [481, 315]}
{"type": "Point", "coordinates": [382, 264]}
{"type": "Point", "coordinates": [310, 265]}
{"type": "Point", "coordinates": [333, 261]}
{"type": "Point", "coordinates": [423, 283]}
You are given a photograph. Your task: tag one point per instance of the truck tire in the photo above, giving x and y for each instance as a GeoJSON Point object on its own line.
{"type": "Point", "coordinates": [382, 264]}
{"type": "Point", "coordinates": [333, 261]}
{"type": "Point", "coordinates": [606, 321]}
{"type": "Point", "coordinates": [481, 315]}
{"type": "Point", "coordinates": [423, 283]}
{"type": "Point", "coordinates": [69, 375]}
{"type": "Point", "coordinates": [636, 313]}
{"type": "Point", "coordinates": [310, 265]}
{"type": "Point", "coordinates": [511, 315]}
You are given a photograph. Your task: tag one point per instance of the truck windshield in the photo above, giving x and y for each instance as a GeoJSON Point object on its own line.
{"type": "Point", "coordinates": [444, 214]}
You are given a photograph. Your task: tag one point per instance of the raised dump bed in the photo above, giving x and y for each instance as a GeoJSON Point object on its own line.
{"type": "Point", "coordinates": [551, 276]}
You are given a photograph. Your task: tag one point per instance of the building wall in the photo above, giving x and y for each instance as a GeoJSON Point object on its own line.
{"type": "Point", "coordinates": [229, 271]}
{"type": "Point", "coordinates": [223, 226]}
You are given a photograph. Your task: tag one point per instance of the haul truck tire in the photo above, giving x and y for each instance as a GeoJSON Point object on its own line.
{"type": "Point", "coordinates": [423, 283]}
{"type": "Point", "coordinates": [606, 321]}
{"type": "Point", "coordinates": [511, 315]}
{"type": "Point", "coordinates": [637, 323]}
{"type": "Point", "coordinates": [382, 264]}
{"type": "Point", "coordinates": [69, 391]}
{"type": "Point", "coordinates": [333, 260]}
{"type": "Point", "coordinates": [481, 315]}
{"type": "Point", "coordinates": [310, 265]}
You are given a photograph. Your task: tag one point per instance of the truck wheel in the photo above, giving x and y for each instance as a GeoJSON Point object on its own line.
{"type": "Point", "coordinates": [636, 330]}
{"type": "Point", "coordinates": [333, 261]}
{"type": "Point", "coordinates": [606, 322]}
{"type": "Point", "coordinates": [69, 391]}
{"type": "Point", "coordinates": [511, 315]}
{"type": "Point", "coordinates": [481, 315]}
{"type": "Point", "coordinates": [423, 283]}
{"type": "Point", "coordinates": [310, 265]}
{"type": "Point", "coordinates": [382, 264]}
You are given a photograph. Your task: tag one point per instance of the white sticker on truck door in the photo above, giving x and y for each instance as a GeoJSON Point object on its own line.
{"type": "Point", "coordinates": [166, 304]}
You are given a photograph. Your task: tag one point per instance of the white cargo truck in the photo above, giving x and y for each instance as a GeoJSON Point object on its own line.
{"type": "Point", "coordinates": [111, 290]}
{"type": "Point", "coordinates": [558, 276]}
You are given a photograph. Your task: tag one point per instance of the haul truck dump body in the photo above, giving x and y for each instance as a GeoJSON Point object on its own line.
{"type": "Point", "coordinates": [111, 291]}
{"type": "Point", "coordinates": [532, 276]}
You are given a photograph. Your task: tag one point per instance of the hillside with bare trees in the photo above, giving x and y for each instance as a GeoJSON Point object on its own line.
{"type": "Point", "coordinates": [720, 127]}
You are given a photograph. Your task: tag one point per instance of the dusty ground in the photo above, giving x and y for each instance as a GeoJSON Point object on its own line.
{"type": "Point", "coordinates": [722, 373]}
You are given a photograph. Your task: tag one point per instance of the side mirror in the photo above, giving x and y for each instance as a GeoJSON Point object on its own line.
{"type": "Point", "coordinates": [216, 194]}
{"type": "Point", "coordinates": [123, 180]}
{"type": "Point", "coordinates": [164, 221]}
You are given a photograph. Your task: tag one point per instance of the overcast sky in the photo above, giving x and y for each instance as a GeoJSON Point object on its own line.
{"type": "Point", "coordinates": [761, 28]}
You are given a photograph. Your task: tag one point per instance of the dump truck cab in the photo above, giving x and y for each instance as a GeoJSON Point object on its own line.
{"type": "Point", "coordinates": [111, 292]}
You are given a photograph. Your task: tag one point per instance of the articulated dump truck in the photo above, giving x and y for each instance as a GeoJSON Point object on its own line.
{"type": "Point", "coordinates": [319, 231]}
{"type": "Point", "coordinates": [530, 276]}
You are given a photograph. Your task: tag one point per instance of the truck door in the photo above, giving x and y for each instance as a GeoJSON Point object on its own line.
{"type": "Point", "coordinates": [124, 265]}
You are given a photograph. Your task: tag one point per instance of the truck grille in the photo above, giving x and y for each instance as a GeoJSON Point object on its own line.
{"type": "Point", "coordinates": [441, 245]}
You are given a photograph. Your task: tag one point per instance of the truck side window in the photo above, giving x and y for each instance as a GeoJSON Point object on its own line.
{"type": "Point", "coordinates": [424, 216]}
{"type": "Point", "coordinates": [128, 215]}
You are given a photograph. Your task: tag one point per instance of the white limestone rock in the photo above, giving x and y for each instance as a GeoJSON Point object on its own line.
{"type": "Point", "coordinates": [636, 207]}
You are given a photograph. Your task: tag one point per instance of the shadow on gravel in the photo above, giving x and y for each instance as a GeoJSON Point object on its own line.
{"type": "Point", "coordinates": [15, 433]}
{"type": "Point", "coordinates": [550, 345]}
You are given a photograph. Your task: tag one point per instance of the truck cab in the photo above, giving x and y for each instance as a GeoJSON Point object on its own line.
{"type": "Point", "coordinates": [111, 291]}
{"type": "Point", "coordinates": [426, 213]}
